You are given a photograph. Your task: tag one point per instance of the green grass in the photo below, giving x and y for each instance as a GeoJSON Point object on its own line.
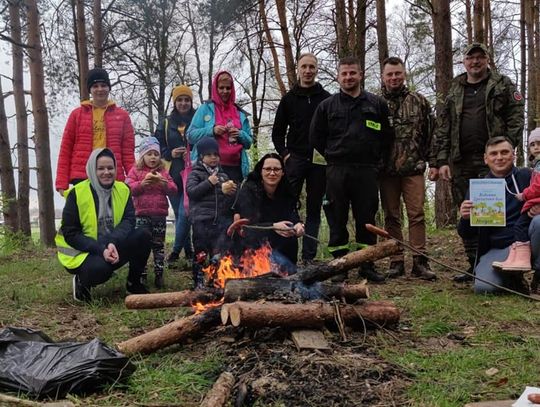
{"type": "Point", "coordinates": [501, 332]}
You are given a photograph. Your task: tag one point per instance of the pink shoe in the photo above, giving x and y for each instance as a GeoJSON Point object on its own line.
{"type": "Point", "coordinates": [519, 258]}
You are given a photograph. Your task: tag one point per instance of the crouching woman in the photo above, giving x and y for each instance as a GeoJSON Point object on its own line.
{"type": "Point", "coordinates": [267, 200]}
{"type": "Point", "coordinates": [97, 234]}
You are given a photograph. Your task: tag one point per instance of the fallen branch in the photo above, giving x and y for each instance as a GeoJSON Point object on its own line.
{"type": "Point", "coordinates": [322, 272]}
{"type": "Point", "coordinates": [174, 332]}
{"type": "Point", "coordinates": [220, 391]}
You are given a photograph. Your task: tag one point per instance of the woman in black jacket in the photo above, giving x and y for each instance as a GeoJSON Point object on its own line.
{"type": "Point", "coordinates": [266, 199]}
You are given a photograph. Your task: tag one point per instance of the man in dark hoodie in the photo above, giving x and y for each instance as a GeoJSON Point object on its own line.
{"type": "Point", "coordinates": [290, 136]}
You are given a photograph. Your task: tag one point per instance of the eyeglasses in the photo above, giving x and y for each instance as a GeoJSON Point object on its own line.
{"type": "Point", "coordinates": [275, 170]}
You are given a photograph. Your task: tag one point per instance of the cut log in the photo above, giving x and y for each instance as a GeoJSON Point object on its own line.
{"type": "Point", "coordinates": [251, 289]}
{"type": "Point", "coordinates": [220, 391]}
{"type": "Point", "coordinates": [175, 299]}
{"type": "Point", "coordinates": [313, 273]}
{"type": "Point", "coordinates": [174, 332]}
{"type": "Point", "coordinates": [311, 315]}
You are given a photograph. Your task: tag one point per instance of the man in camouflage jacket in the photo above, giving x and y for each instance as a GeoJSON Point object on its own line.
{"type": "Point", "coordinates": [481, 104]}
{"type": "Point", "coordinates": [403, 174]}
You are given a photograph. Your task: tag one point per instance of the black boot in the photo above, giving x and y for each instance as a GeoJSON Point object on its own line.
{"type": "Point", "coordinates": [367, 271]}
{"type": "Point", "coordinates": [421, 269]}
{"type": "Point", "coordinates": [465, 278]}
{"type": "Point", "coordinates": [198, 276]}
{"type": "Point", "coordinates": [158, 281]}
{"type": "Point", "coordinates": [396, 269]}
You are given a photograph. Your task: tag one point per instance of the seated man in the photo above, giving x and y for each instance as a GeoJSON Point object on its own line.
{"type": "Point", "coordinates": [97, 234]}
{"type": "Point", "coordinates": [494, 242]}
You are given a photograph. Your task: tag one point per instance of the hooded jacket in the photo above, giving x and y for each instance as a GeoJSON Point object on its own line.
{"type": "Point", "coordinates": [290, 133]}
{"type": "Point", "coordinates": [202, 125]}
{"type": "Point", "coordinates": [77, 143]}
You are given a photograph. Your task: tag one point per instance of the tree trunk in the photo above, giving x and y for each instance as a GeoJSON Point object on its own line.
{"type": "Point", "coordinates": [174, 299]}
{"type": "Point", "coordinates": [341, 29]}
{"type": "Point", "coordinates": [311, 315]}
{"type": "Point", "coordinates": [468, 20]}
{"type": "Point", "coordinates": [220, 391]}
{"type": "Point", "coordinates": [361, 29]}
{"type": "Point", "coordinates": [98, 35]}
{"type": "Point", "coordinates": [523, 73]}
{"type": "Point", "coordinates": [23, 166]}
{"type": "Point", "coordinates": [478, 20]}
{"type": "Point", "coordinates": [8, 194]}
{"type": "Point", "coordinates": [342, 264]}
{"type": "Point", "coordinates": [287, 48]}
{"type": "Point", "coordinates": [174, 332]}
{"type": "Point", "coordinates": [272, 46]}
{"type": "Point", "coordinates": [531, 100]}
{"type": "Point", "coordinates": [382, 37]}
{"type": "Point", "coordinates": [445, 212]}
{"type": "Point", "coordinates": [488, 29]}
{"type": "Point", "coordinates": [41, 127]}
{"type": "Point", "coordinates": [83, 50]}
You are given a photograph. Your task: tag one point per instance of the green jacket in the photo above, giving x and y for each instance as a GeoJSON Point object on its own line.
{"type": "Point", "coordinates": [504, 115]}
{"type": "Point", "coordinates": [412, 119]}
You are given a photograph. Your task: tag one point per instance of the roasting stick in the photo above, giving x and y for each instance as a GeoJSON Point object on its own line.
{"type": "Point", "coordinates": [383, 233]}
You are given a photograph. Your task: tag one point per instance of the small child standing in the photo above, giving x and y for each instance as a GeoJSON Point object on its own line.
{"type": "Point", "coordinates": [211, 196]}
{"type": "Point", "coordinates": [519, 257]}
{"type": "Point", "coordinates": [150, 183]}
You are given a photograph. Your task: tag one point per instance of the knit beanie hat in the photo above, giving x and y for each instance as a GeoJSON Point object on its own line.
{"type": "Point", "coordinates": [148, 144]}
{"type": "Point", "coordinates": [207, 145]}
{"type": "Point", "coordinates": [97, 75]}
{"type": "Point", "coordinates": [181, 90]}
{"type": "Point", "coordinates": [534, 136]}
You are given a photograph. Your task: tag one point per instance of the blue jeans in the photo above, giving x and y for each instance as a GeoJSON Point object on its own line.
{"type": "Point", "coordinates": [485, 271]}
{"type": "Point", "coordinates": [182, 234]}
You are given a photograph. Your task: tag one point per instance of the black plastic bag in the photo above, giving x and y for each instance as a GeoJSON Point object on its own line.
{"type": "Point", "coordinates": [31, 363]}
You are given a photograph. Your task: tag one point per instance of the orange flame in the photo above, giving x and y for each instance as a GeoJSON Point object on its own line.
{"type": "Point", "coordinates": [199, 307]}
{"type": "Point", "coordinates": [252, 263]}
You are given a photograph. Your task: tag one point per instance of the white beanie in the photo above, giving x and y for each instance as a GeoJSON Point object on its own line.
{"type": "Point", "coordinates": [534, 136]}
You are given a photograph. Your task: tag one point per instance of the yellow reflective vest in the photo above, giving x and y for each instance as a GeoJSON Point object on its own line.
{"type": "Point", "coordinates": [70, 257]}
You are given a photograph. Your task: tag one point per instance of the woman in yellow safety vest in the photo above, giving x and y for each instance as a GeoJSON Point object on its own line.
{"type": "Point", "coordinates": [97, 234]}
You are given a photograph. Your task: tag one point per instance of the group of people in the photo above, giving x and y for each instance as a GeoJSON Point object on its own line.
{"type": "Point", "coordinates": [348, 149]}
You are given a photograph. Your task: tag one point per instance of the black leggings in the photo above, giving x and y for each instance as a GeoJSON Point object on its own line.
{"type": "Point", "coordinates": [134, 250]}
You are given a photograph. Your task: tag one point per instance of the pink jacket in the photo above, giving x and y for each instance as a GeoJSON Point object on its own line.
{"type": "Point", "coordinates": [150, 200]}
{"type": "Point", "coordinates": [77, 143]}
{"type": "Point", "coordinates": [531, 194]}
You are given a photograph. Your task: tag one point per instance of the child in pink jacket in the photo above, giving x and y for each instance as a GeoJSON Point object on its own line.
{"type": "Point", "coordinates": [150, 184]}
{"type": "Point", "coordinates": [519, 257]}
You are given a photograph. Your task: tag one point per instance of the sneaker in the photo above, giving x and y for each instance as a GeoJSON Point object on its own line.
{"type": "Point", "coordinates": [173, 257]}
{"type": "Point", "coordinates": [136, 287]}
{"type": "Point", "coordinates": [158, 281]}
{"type": "Point", "coordinates": [80, 293]}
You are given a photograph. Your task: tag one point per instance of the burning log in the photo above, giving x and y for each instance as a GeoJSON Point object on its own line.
{"type": "Point", "coordinates": [351, 260]}
{"type": "Point", "coordinates": [247, 289]}
{"type": "Point", "coordinates": [311, 315]}
{"type": "Point", "coordinates": [174, 332]}
{"type": "Point", "coordinates": [220, 391]}
{"type": "Point", "coordinates": [175, 299]}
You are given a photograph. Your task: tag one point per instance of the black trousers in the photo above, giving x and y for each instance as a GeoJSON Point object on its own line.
{"type": "Point", "coordinates": [134, 250]}
{"type": "Point", "coordinates": [355, 187]}
{"type": "Point", "coordinates": [157, 226]}
{"type": "Point", "coordinates": [299, 170]}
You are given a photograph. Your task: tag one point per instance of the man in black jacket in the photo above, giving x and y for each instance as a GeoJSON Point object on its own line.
{"type": "Point", "coordinates": [290, 135]}
{"type": "Point", "coordinates": [352, 131]}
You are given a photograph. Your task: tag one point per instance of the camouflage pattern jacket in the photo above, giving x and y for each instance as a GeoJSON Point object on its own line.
{"type": "Point", "coordinates": [412, 119]}
{"type": "Point", "coordinates": [504, 115]}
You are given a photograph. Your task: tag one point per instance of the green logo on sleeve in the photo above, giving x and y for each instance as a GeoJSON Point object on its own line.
{"type": "Point", "coordinates": [370, 124]}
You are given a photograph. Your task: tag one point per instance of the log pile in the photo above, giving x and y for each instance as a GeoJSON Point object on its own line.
{"type": "Point", "coordinates": [287, 302]}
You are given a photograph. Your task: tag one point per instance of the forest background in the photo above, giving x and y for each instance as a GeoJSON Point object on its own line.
{"type": "Point", "coordinates": [149, 46]}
